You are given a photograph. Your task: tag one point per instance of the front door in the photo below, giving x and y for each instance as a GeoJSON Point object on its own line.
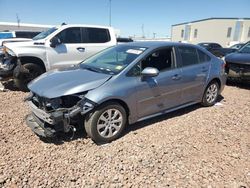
{"type": "Point", "coordinates": [70, 51]}
{"type": "Point", "coordinates": [156, 94]}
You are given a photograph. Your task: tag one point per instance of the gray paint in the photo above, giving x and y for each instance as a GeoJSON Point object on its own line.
{"type": "Point", "coordinates": [145, 97]}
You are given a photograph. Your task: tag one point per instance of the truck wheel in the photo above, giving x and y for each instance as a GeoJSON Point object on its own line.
{"type": "Point", "coordinates": [211, 94]}
{"type": "Point", "coordinates": [106, 123]}
{"type": "Point", "coordinates": [26, 73]}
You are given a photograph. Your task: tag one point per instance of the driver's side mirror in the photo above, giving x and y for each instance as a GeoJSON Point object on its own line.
{"type": "Point", "coordinates": [55, 41]}
{"type": "Point", "coordinates": [150, 72]}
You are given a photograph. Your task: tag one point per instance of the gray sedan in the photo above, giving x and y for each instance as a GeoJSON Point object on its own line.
{"type": "Point", "coordinates": [123, 85]}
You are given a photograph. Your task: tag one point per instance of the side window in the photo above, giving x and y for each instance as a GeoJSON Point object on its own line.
{"type": "Point", "coordinates": [189, 55]}
{"type": "Point", "coordinates": [160, 59]}
{"type": "Point", "coordinates": [97, 35]}
{"type": "Point", "coordinates": [70, 35]}
{"type": "Point", "coordinates": [203, 57]}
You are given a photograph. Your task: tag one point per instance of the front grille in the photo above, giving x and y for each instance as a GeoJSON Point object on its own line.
{"type": "Point", "coordinates": [52, 104]}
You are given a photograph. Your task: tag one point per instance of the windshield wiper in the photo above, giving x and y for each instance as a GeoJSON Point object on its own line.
{"type": "Point", "coordinates": [91, 69]}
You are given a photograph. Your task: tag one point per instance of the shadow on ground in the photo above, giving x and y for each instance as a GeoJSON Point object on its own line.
{"type": "Point", "coordinates": [242, 85]}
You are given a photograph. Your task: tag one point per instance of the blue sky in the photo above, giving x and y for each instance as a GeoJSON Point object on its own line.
{"type": "Point", "coordinates": [157, 16]}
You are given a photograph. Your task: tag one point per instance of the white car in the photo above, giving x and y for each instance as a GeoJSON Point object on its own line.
{"type": "Point", "coordinates": [57, 47]}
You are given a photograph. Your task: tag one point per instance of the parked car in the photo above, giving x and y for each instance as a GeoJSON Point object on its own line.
{"type": "Point", "coordinates": [57, 47]}
{"type": "Point", "coordinates": [123, 84]}
{"type": "Point", "coordinates": [237, 46]}
{"type": "Point", "coordinates": [216, 49]}
{"type": "Point", "coordinates": [124, 40]}
{"type": "Point", "coordinates": [238, 64]}
{"type": "Point", "coordinates": [18, 34]}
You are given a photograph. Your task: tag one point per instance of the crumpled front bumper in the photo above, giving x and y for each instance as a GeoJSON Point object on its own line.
{"type": "Point", "coordinates": [39, 127]}
{"type": "Point", "coordinates": [46, 124]}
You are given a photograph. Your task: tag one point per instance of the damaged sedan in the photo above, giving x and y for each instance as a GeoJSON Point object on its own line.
{"type": "Point", "coordinates": [123, 85]}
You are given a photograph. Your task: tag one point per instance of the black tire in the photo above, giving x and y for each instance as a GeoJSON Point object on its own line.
{"type": "Point", "coordinates": [92, 120]}
{"type": "Point", "coordinates": [31, 71]}
{"type": "Point", "coordinates": [211, 94]}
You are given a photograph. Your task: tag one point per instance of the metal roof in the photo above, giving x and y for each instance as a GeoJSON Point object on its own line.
{"type": "Point", "coordinates": [216, 18]}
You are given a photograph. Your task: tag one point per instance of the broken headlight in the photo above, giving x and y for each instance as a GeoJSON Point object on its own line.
{"type": "Point", "coordinates": [8, 51]}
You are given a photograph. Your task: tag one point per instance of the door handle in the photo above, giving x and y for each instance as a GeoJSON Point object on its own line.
{"type": "Point", "coordinates": [176, 77]}
{"type": "Point", "coordinates": [80, 49]}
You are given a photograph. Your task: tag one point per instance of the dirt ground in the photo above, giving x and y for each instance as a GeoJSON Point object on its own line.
{"type": "Point", "coordinates": [193, 147]}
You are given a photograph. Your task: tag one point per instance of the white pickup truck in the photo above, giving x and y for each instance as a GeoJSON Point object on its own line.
{"type": "Point", "coordinates": [57, 47]}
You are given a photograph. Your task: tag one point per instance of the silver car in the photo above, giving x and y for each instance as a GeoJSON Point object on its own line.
{"type": "Point", "coordinates": [123, 85]}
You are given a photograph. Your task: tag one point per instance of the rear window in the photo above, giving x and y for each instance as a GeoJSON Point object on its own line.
{"type": "Point", "coordinates": [97, 35]}
{"type": "Point", "coordinates": [203, 57]}
{"type": "Point", "coordinates": [189, 56]}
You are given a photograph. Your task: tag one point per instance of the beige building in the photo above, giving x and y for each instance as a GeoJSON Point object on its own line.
{"type": "Point", "coordinates": [225, 31]}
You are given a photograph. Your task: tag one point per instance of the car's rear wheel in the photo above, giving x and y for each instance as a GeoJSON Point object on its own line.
{"type": "Point", "coordinates": [25, 73]}
{"type": "Point", "coordinates": [211, 94]}
{"type": "Point", "coordinates": [106, 123]}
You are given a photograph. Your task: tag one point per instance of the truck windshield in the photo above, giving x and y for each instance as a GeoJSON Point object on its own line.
{"type": "Point", "coordinates": [245, 48]}
{"type": "Point", "coordinates": [113, 60]}
{"type": "Point", "coordinates": [44, 34]}
{"type": "Point", "coordinates": [5, 35]}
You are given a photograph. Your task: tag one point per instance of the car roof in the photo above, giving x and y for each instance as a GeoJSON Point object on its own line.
{"type": "Point", "coordinates": [84, 25]}
{"type": "Point", "coordinates": [153, 44]}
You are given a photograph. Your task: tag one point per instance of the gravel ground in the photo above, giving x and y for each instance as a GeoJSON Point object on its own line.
{"type": "Point", "coordinates": [193, 147]}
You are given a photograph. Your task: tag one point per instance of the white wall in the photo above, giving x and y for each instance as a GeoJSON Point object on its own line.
{"type": "Point", "coordinates": [214, 30]}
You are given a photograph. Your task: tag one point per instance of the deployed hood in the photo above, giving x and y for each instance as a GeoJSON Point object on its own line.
{"type": "Point", "coordinates": [242, 58]}
{"type": "Point", "coordinates": [59, 83]}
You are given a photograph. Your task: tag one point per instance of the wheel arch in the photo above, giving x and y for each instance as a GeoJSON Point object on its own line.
{"type": "Point", "coordinates": [32, 59]}
{"type": "Point", "coordinates": [119, 101]}
{"type": "Point", "coordinates": [215, 80]}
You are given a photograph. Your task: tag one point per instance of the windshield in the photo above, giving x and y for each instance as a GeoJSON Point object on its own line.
{"type": "Point", "coordinates": [44, 34]}
{"type": "Point", "coordinates": [6, 35]}
{"type": "Point", "coordinates": [112, 60]}
{"type": "Point", "coordinates": [245, 48]}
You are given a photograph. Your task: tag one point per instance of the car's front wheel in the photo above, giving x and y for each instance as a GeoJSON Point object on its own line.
{"type": "Point", "coordinates": [106, 123]}
{"type": "Point", "coordinates": [211, 94]}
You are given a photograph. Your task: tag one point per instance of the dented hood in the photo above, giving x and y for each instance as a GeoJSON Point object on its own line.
{"type": "Point", "coordinates": [59, 83]}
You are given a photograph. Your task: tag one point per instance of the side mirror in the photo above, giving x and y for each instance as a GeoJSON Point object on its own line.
{"type": "Point", "coordinates": [55, 41]}
{"type": "Point", "coordinates": [150, 72]}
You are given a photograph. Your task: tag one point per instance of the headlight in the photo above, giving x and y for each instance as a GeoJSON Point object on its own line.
{"type": "Point", "coordinates": [8, 51]}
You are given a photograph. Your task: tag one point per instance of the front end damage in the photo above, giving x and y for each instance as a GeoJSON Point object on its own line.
{"type": "Point", "coordinates": [8, 62]}
{"type": "Point", "coordinates": [59, 115]}
{"type": "Point", "coordinates": [238, 71]}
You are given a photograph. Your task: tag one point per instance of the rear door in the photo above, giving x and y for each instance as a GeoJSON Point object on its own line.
{"type": "Point", "coordinates": [95, 40]}
{"type": "Point", "coordinates": [195, 66]}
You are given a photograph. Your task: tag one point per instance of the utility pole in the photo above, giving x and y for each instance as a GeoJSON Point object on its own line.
{"type": "Point", "coordinates": [142, 29]}
{"type": "Point", "coordinates": [110, 13]}
{"type": "Point", "coordinates": [18, 20]}
{"type": "Point", "coordinates": [154, 34]}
